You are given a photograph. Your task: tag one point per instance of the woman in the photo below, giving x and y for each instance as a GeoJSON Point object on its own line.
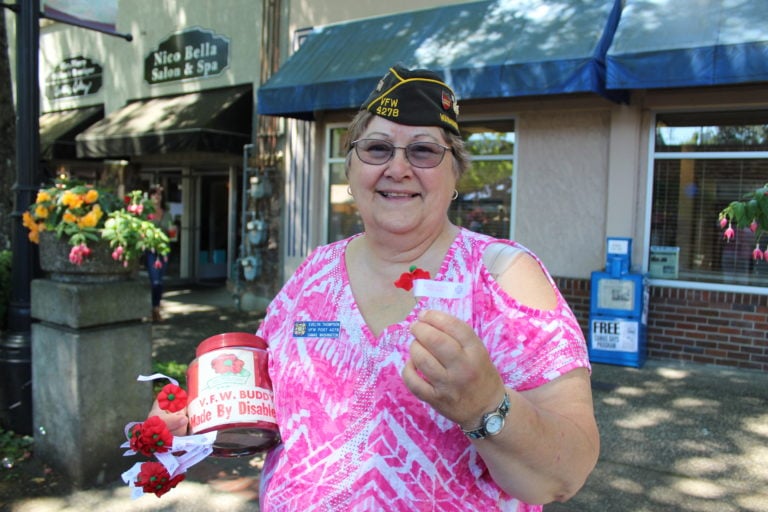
{"type": "Point", "coordinates": [156, 263]}
{"type": "Point", "coordinates": [474, 395]}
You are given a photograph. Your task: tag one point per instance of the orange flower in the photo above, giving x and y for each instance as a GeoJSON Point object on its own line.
{"type": "Point", "coordinates": [41, 212]}
{"type": "Point", "coordinates": [69, 217]}
{"type": "Point", "coordinates": [27, 221]}
{"type": "Point", "coordinates": [91, 196]}
{"type": "Point", "coordinates": [42, 196]}
{"type": "Point", "coordinates": [72, 200]}
{"type": "Point", "coordinates": [34, 227]}
{"type": "Point", "coordinates": [90, 219]}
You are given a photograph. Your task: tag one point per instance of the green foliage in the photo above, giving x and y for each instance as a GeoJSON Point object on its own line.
{"type": "Point", "coordinates": [487, 174]}
{"type": "Point", "coordinates": [172, 369]}
{"type": "Point", "coordinates": [5, 286]}
{"type": "Point", "coordinates": [750, 212]}
{"type": "Point", "coordinates": [84, 214]}
{"type": "Point", "coordinates": [14, 447]}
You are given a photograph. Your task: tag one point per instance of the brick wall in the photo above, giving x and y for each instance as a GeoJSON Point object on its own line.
{"type": "Point", "coordinates": [721, 328]}
{"type": "Point", "coordinates": [576, 292]}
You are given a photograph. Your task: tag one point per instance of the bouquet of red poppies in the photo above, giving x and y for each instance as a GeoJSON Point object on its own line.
{"type": "Point", "coordinates": [152, 438]}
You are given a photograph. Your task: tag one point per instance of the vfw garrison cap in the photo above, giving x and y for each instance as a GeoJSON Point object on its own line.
{"type": "Point", "coordinates": [417, 97]}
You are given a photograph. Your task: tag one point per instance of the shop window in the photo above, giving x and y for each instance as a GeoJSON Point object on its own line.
{"type": "Point", "coordinates": [485, 190]}
{"type": "Point", "coordinates": [701, 163]}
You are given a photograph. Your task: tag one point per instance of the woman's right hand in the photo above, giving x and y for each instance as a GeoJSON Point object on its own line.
{"type": "Point", "coordinates": [177, 422]}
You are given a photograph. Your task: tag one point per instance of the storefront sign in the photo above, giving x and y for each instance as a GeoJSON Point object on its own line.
{"type": "Point", "coordinates": [193, 53]}
{"type": "Point", "coordinates": [77, 76]}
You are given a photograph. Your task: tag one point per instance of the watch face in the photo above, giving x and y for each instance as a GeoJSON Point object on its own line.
{"type": "Point", "coordinates": [494, 423]}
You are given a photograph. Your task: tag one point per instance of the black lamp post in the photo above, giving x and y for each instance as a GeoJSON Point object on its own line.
{"type": "Point", "coordinates": [15, 353]}
{"type": "Point", "coordinates": [15, 357]}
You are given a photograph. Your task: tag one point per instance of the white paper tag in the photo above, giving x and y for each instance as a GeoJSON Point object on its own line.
{"type": "Point", "coordinates": [439, 289]}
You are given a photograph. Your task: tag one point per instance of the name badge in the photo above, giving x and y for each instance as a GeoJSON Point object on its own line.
{"type": "Point", "coordinates": [316, 329]}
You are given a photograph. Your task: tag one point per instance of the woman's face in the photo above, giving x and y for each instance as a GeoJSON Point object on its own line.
{"type": "Point", "coordinates": [396, 196]}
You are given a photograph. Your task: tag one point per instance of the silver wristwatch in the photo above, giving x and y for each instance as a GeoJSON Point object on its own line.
{"type": "Point", "coordinates": [492, 422]}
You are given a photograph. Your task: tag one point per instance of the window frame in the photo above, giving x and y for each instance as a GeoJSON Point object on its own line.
{"type": "Point", "coordinates": [329, 161]}
{"type": "Point", "coordinates": [653, 156]}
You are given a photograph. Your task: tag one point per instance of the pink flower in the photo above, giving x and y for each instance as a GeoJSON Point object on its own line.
{"type": "Point", "coordinates": [757, 254]}
{"type": "Point", "coordinates": [723, 222]}
{"type": "Point", "coordinates": [78, 253]}
{"type": "Point", "coordinates": [753, 226]}
{"type": "Point", "coordinates": [729, 233]}
{"type": "Point", "coordinates": [136, 209]}
{"type": "Point", "coordinates": [117, 254]}
{"type": "Point", "coordinates": [158, 263]}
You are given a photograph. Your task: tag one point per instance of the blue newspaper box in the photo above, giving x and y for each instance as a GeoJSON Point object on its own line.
{"type": "Point", "coordinates": [618, 310]}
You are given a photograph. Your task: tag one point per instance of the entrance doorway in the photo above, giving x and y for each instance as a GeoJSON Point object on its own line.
{"type": "Point", "coordinates": [214, 217]}
{"type": "Point", "coordinates": [174, 204]}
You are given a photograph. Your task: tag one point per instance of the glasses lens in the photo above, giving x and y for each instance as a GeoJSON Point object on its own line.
{"type": "Point", "coordinates": [373, 151]}
{"type": "Point", "coordinates": [420, 154]}
{"type": "Point", "coordinates": [425, 154]}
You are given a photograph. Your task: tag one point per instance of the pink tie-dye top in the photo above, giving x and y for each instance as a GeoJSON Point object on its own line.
{"type": "Point", "coordinates": [353, 436]}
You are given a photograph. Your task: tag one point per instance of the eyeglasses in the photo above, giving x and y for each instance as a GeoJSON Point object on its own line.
{"type": "Point", "coordinates": [423, 155]}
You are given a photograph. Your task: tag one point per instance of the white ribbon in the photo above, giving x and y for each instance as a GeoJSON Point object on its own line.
{"type": "Point", "coordinates": [157, 376]}
{"type": "Point", "coordinates": [129, 477]}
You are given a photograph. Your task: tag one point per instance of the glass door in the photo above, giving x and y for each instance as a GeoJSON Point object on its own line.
{"type": "Point", "coordinates": [212, 250]}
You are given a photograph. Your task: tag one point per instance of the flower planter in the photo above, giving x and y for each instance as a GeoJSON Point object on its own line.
{"type": "Point", "coordinates": [99, 267]}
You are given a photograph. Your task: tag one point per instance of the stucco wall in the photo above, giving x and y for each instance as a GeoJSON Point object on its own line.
{"type": "Point", "coordinates": [562, 182]}
{"type": "Point", "coordinates": [149, 23]}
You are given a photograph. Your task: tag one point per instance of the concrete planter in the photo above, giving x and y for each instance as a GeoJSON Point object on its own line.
{"type": "Point", "coordinates": [99, 267]}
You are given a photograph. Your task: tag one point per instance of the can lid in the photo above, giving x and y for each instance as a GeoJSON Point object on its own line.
{"type": "Point", "coordinates": [230, 339]}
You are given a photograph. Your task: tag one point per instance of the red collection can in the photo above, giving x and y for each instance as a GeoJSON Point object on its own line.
{"type": "Point", "coordinates": [230, 392]}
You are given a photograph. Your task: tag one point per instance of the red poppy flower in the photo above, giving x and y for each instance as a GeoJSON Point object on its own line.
{"type": "Point", "coordinates": [153, 477]}
{"type": "Point", "coordinates": [151, 436]}
{"type": "Point", "coordinates": [406, 278]}
{"type": "Point", "coordinates": [172, 398]}
{"type": "Point", "coordinates": [227, 363]}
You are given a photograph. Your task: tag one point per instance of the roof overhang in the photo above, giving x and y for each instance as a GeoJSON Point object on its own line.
{"type": "Point", "coordinates": [213, 120]}
{"type": "Point", "coordinates": [489, 49]}
{"type": "Point", "coordinates": [689, 43]}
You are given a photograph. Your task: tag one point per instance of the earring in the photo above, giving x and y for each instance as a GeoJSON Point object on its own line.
{"type": "Point", "coordinates": [349, 190]}
{"type": "Point", "coordinates": [455, 195]}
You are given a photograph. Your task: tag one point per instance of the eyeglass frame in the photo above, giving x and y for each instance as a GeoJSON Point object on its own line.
{"type": "Point", "coordinates": [353, 144]}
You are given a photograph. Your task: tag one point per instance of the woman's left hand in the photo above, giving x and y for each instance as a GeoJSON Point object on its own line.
{"type": "Point", "coordinates": [450, 369]}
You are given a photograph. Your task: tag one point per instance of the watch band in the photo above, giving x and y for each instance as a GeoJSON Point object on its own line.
{"type": "Point", "coordinates": [481, 433]}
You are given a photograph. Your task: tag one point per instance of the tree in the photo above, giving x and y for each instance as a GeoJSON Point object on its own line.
{"type": "Point", "coordinates": [8, 136]}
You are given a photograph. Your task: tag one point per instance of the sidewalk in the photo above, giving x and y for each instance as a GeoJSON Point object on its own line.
{"type": "Point", "coordinates": [674, 437]}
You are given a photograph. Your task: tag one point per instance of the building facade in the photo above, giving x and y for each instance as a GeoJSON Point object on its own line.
{"type": "Point", "coordinates": [586, 120]}
{"type": "Point", "coordinates": [173, 106]}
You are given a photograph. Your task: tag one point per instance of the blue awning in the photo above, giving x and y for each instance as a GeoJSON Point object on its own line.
{"type": "Point", "coordinates": [490, 49]}
{"type": "Point", "coordinates": [689, 43]}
